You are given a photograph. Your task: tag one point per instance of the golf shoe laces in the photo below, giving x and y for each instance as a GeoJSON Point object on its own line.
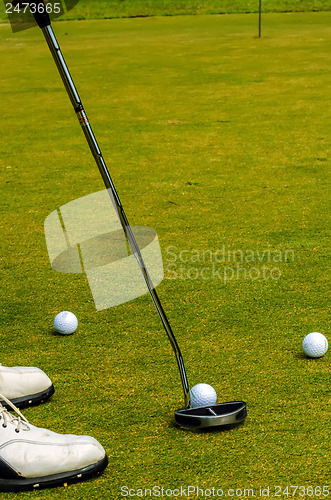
{"type": "Point", "coordinates": [18, 419]}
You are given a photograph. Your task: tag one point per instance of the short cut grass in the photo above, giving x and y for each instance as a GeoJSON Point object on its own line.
{"type": "Point", "coordinates": [220, 142]}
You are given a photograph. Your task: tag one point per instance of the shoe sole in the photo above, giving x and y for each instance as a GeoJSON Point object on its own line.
{"type": "Point", "coordinates": [30, 399]}
{"type": "Point", "coordinates": [35, 483]}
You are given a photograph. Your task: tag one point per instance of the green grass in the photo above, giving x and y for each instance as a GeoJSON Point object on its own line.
{"type": "Point", "coordinates": [106, 9]}
{"type": "Point", "coordinates": [213, 137]}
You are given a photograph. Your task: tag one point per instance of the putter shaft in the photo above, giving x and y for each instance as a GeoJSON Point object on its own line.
{"type": "Point", "coordinates": [92, 142]}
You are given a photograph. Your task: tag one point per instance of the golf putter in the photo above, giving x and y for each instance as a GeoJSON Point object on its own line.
{"type": "Point", "coordinates": [211, 416]}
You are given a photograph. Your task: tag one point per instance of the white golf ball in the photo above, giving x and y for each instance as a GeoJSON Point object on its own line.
{"type": "Point", "coordinates": [315, 345]}
{"type": "Point", "coordinates": [202, 395]}
{"type": "Point", "coordinates": [65, 322]}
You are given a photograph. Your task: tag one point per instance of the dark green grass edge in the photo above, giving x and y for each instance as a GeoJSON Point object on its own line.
{"type": "Point", "coordinates": [198, 13]}
{"type": "Point", "coordinates": [84, 13]}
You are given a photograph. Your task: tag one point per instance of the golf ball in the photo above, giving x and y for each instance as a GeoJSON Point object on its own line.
{"type": "Point", "coordinates": [315, 345]}
{"type": "Point", "coordinates": [202, 395]}
{"type": "Point", "coordinates": [65, 322]}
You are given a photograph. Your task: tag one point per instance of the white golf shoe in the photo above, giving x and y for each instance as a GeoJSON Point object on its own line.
{"type": "Point", "coordinates": [24, 386]}
{"type": "Point", "coordinates": [32, 457]}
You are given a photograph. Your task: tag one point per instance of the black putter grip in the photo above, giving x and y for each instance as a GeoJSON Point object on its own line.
{"type": "Point", "coordinates": [40, 15]}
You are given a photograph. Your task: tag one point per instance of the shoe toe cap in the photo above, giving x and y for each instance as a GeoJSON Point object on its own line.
{"type": "Point", "coordinates": [43, 453]}
{"type": "Point", "coordinates": [21, 381]}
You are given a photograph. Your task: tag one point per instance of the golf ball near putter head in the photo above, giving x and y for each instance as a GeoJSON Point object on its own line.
{"type": "Point", "coordinates": [315, 345]}
{"type": "Point", "coordinates": [202, 395]}
{"type": "Point", "coordinates": [65, 323]}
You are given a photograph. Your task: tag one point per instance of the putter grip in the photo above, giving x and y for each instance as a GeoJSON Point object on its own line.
{"type": "Point", "coordinates": [40, 15]}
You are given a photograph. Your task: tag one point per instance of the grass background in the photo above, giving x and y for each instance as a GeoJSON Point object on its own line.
{"type": "Point", "coordinates": [213, 137]}
{"type": "Point", "coordinates": [106, 9]}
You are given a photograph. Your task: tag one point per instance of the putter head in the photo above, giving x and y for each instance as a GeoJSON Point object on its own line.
{"type": "Point", "coordinates": [215, 415]}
